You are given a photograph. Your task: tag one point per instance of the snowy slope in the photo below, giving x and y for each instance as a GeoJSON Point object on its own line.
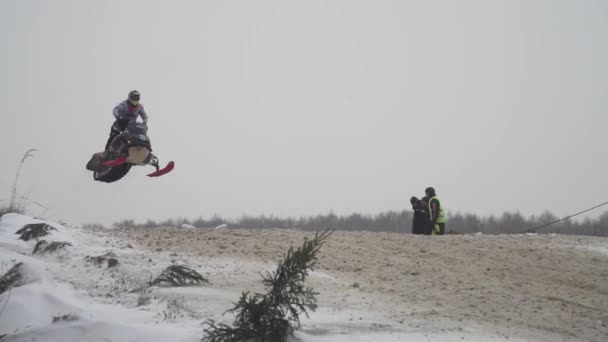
{"type": "Point", "coordinates": [103, 304]}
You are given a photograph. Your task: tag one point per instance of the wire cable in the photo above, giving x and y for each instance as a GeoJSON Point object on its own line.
{"type": "Point", "coordinates": [565, 218]}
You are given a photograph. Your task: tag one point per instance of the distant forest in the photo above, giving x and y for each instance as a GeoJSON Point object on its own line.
{"type": "Point", "coordinates": [397, 221]}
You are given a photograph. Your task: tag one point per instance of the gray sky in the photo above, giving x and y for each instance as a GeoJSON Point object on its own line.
{"type": "Point", "coordinates": [301, 107]}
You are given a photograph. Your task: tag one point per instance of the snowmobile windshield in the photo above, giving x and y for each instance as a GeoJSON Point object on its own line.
{"type": "Point", "coordinates": [138, 133]}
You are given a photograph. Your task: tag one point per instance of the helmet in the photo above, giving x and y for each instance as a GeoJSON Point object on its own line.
{"type": "Point", "coordinates": [430, 192]}
{"type": "Point", "coordinates": [414, 200]}
{"type": "Point", "coordinates": [134, 96]}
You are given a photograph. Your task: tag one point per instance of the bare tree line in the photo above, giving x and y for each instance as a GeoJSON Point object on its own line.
{"type": "Point", "coordinates": [396, 221]}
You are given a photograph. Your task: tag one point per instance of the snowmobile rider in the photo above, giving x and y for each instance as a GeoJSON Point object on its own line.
{"type": "Point", "coordinates": [436, 214]}
{"type": "Point", "coordinates": [125, 112]}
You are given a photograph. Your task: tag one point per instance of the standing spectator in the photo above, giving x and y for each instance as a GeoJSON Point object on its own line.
{"type": "Point", "coordinates": [436, 213]}
{"type": "Point", "coordinates": [420, 221]}
{"type": "Point", "coordinates": [424, 204]}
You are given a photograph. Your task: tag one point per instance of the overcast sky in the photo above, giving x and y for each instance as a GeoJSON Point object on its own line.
{"type": "Point", "coordinates": [301, 107]}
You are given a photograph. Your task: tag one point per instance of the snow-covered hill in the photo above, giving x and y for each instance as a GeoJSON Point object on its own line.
{"type": "Point", "coordinates": [64, 296]}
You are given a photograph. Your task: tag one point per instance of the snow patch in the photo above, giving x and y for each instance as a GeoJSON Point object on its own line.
{"type": "Point", "coordinates": [603, 249]}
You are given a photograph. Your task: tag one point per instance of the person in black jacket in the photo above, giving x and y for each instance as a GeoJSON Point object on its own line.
{"type": "Point", "coordinates": [420, 221]}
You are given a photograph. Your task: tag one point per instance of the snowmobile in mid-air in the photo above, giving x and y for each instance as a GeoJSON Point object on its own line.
{"type": "Point", "coordinates": [131, 147]}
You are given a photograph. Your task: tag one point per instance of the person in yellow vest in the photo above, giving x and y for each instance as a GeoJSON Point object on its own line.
{"type": "Point", "coordinates": [436, 213]}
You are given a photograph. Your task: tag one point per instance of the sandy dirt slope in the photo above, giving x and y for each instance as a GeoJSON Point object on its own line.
{"type": "Point", "coordinates": [515, 284]}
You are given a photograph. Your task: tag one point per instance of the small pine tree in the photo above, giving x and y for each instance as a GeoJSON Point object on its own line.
{"type": "Point", "coordinates": [44, 247]}
{"type": "Point", "coordinates": [179, 275]}
{"type": "Point", "coordinates": [34, 230]}
{"type": "Point", "coordinates": [11, 278]}
{"type": "Point", "coordinates": [269, 317]}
